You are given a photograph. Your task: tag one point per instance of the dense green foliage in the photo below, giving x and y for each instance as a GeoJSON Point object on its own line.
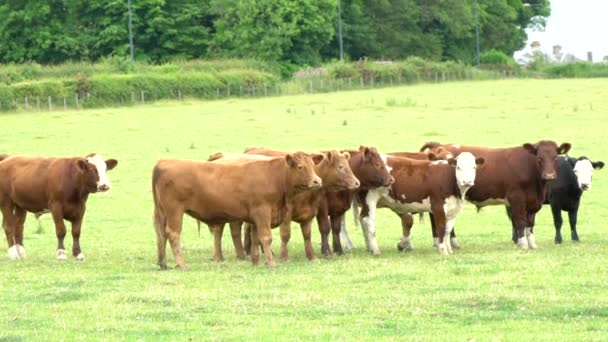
{"type": "Point", "coordinates": [487, 291]}
{"type": "Point", "coordinates": [302, 32]}
{"type": "Point", "coordinates": [578, 69]}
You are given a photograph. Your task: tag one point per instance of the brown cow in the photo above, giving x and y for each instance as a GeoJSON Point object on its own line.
{"type": "Point", "coordinates": [515, 177]}
{"type": "Point", "coordinates": [336, 174]}
{"type": "Point", "coordinates": [256, 191]}
{"type": "Point", "coordinates": [58, 185]}
{"type": "Point", "coordinates": [369, 167]}
{"type": "Point", "coordinates": [421, 186]}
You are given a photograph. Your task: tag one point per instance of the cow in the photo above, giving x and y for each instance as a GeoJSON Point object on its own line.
{"type": "Point", "coordinates": [565, 192]}
{"type": "Point", "coordinates": [256, 191]}
{"type": "Point", "coordinates": [60, 186]}
{"type": "Point", "coordinates": [336, 175]}
{"type": "Point", "coordinates": [516, 177]}
{"type": "Point", "coordinates": [438, 187]}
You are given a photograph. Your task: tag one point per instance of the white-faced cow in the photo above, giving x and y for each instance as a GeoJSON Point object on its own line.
{"type": "Point", "coordinates": [516, 177]}
{"type": "Point", "coordinates": [564, 193]}
{"type": "Point", "coordinates": [438, 187]}
{"type": "Point", "coordinates": [58, 185]}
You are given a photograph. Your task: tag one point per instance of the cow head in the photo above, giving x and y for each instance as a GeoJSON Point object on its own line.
{"type": "Point", "coordinates": [439, 153]}
{"type": "Point", "coordinates": [336, 173]}
{"type": "Point", "coordinates": [370, 168]}
{"type": "Point", "coordinates": [301, 172]}
{"type": "Point", "coordinates": [546, 152]}
{"type": "Point", "coordinates": [466, 169]}
{"type": "Point", "coordinates": [583, 169]}
{"type": "Point", "coordinates": [94, 169]}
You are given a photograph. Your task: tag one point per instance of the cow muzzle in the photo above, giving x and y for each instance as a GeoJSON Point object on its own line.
{"type": "Point", "coordinates": [549, 176]}
{"type": "Point", "coordinates": [354, 185]}
{"type": "Point", "coordinates": [585, 187]}
{"type": "Point", "coordinates": [316, 183]}
{"type": "Point", "coordinates": [467, 184]}
{"type": "Point", "coordinates": [389, 181]}
{"type": "Point", "coordinates": [103, 187]}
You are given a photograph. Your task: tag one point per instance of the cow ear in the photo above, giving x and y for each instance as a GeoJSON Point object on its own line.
{"type": "Point", "coordinates": [530, 148]}
{"type": "Point", "coordinates": [452, 161]}
{"type": "Point", "coordinates": [479, 161]}
{"type": "Point", "coordinates": [598, 165]}
{"type": "Point", "coordinates": [329, 156]}
{"type": "Point", "coordinates": [317, 158]}
{"type": "Point", "coordinates": [431, 156]}
{"type": "Point", "coordinates": [290, 161]}
{"type": "Point", "coordinates": [563, 148]}
{"type": "Point", "coordinates": [346, 155]}
{"type": "Point", "coordinates": [367, 153]}
{"type": "Point", "coordinates": [82, 164]}
{"type": "Point", "coordinates": [111, 163]}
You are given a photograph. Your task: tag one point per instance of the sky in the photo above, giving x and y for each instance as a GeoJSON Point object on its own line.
{"type": "Point", "coordinates": [578, 26]}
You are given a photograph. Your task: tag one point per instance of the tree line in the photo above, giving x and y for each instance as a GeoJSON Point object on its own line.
{"type": "Point", "coordinates": [300, 32]}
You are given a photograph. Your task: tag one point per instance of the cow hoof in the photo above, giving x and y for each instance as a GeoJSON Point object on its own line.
{"type": "Point", "coordinates": [558, 242]}
{"type": "Point", "coordinates": [80, 257]}
{"type": "Point", "coordinates": [455, 244]}
{"type": "Point", "coordinates": [217, 259]}
{"type": "Point", "coordinates": [13, 253]}
{"type": "Point", "coordinates": [375, 253]}
{"type": "Point", "coordinates": [163, 267]}
{"type": "Point", "coordinates": [183, 267]}
{"type": "Point", "coordinates": [61, 256]}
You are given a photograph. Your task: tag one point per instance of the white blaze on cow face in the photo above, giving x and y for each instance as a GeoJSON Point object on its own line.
{"type": "Point", "coordinates": [466, 170]}
{"type": "Point", "coordinates": [103, 184]}
{"type": "Point", "coordinates": [583, 169]}
{"type": "Point", "coordinates": [384, 158]}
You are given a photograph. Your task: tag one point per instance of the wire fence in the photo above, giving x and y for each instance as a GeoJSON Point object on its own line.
{"type": "Point", "coordinates": [296, 86]}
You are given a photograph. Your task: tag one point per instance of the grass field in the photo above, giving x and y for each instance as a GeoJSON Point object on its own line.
{"type": "Point", "coordinates": [488, 290]}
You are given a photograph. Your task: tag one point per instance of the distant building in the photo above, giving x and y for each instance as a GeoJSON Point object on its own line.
{"type": "Point", "coordinates": [536, 53]}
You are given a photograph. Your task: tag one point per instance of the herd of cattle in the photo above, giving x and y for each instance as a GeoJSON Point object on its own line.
{"type": "Point", "coordinates": [261, 189]}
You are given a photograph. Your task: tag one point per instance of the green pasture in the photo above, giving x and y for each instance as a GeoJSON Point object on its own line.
{"type": "Point", "coordinates": [488, 290]}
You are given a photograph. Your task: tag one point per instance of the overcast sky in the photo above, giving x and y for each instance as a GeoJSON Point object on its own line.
{"type": "Point", "coordinates": [578, 26]}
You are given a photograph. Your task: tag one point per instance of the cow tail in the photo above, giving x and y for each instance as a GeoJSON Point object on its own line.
{"type": "Point", "coordinates": [430, 145]}
{"type": "Point", "coordinates": [160, 219]}
{"type": "Point", "coordinates": [421, 218]}
{"type": "Point", "coordinates": [355, 206]}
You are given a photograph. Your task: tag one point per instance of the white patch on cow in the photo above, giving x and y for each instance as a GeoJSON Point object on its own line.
{"type": "Point", "coordinates": [454, 242]}
{"type": "Point", "coordinates": [443, 250]}
{"type": "Point", "coordinates": [406, 244]}
{"type": "Point", "coordinates": [61, 255]}
{"type": "Point", "coordinates": [439, 162]}
{"type": "Point", "coordinates": [13, 254]}
{"type": "Point", "coordinates": [402, 196]}
{"type": "Point", "coordinates": [522, 243]}
{"type": "Point", "coordinates": [452, 207]}
{"type": "Point", "coordinates": [583, 169]}
{"type": "Point", "coordinates": [456, 145]}
{"type": "Point", "coordinates": [491, 201]}
{"type": "Point", "coordinates": [385, 160]}
{"type": "Point", "coordinates": [368, 223]}
{"type": "Point", "coordinates": [80, 257]}
{"type": "Point", "coordinates": [21, 251]}
{"type": "Point", "coordinates": [104, 181]}
{"type": "Point", "coordinates": [530, 238]}
{"type": "Point", "coordinates": [466, 170]}
{"type": "Point", "coordinates": [403, 208]}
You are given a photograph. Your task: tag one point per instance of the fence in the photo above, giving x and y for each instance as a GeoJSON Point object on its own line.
{"type": "Point", "coordinates": [296, 86]}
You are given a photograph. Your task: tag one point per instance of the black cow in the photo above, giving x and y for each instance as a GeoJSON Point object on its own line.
{"type": "Point", "coordinates": [573, 178]}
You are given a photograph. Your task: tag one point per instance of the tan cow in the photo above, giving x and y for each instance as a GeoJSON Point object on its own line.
{"type": "Point", "coordinates": [255, 191]}
{"type": "Point", "coordinates": [58, 185]}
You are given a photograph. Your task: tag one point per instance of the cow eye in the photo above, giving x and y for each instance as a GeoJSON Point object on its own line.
{"type": "Point", "coordinates": [300, 167]}
{"type": "Point", "coordinates": [341, 167]}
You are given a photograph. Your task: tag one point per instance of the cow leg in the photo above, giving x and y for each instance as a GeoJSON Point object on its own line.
{"type": "Point", "coordinates": [336, 227]}
{"type": "Point", "coordinates": [60, 231]}
{"type": "Point", "coordinates": [173, 230]}
{"type": "Point", "coordinates": [285, 232]}
{"type": "Point", "coordinates": [348, 244]}
{"type": "Point", "coordinates": [518, 211]}
{"type": "Point", "coordinates": [247, 238]}
{"type": "Point", "coordinates": [368, 222]}
{"type": "Point", "coordinates": [513, 228]}
{"type": "Point", "coordinates": [433, 229]}
{"type": "Point", "coordinates": [447, 239]}
{"type": "Point", "coordinates": [557, 221]}
{"type": "Point", "coordinates": [529, 231]}
{"type": "Point", "coordinates": [453, 240]}
{"type": "Point", "coordinates": [19, 220]}
{"type": "Point", "coordinates": [218, 231]}
{"type": "Point", "coordinates": [407, 222]}
{"type": "Point", "coordinates": [7, 224]}
{"type": "Point", "coordinates": [235, 232]}
{"type": "Point", "coordinates": [254, 251]}
{"type": "Point", "coordinates": [76, 227]}
{"type": "Point", "coordinates": [161, 237]}
{"type": "Point", "coordinates": [572, 217]}
{"type": "Point", "coordinates": [440, 223]}
{"type": "Point", "coordinates": [306, 234]}
{"type": "Point", "coordinates": [323, 220]}
{"type": "Point", "coordinates": [261, 219]}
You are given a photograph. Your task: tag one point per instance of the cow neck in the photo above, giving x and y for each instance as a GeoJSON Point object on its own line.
{"type": "Point", "coordinates": [74, 183]}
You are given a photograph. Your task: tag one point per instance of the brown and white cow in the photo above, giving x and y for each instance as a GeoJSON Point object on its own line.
{"type": "Point", "coordinates": [438, 187]}
{"type": "Point", "coordinates": [58, 185]}
{"type": "Point", "coordinates": [516, 177]}
{"type": "Point", "coordinates": [256, 191]}
{"type": "Point", "coordinates": [336, 174]}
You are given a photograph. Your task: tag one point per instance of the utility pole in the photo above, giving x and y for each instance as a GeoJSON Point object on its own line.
{"type": "Point", "coordinates": [477, 30]}
{"type": "Point", "coordinates": [340, 31]}
{"type": "Point", "coordinates": [131, 32]}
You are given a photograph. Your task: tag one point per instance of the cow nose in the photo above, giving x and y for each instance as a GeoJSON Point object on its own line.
{"type": "Point", "coordinates": [357, 184]}
{"type": "Point", "coordinates": [103, 187]}
{"type": "Point", "coordinates": [549, 176]}
{"type": "Point", "coordinates": [468, 183]}
{"type": "Point", "coordinates": [390, 180]}
{"type": "Point", "coordinates": [585, 187]}
{"type": "Point", "coordinates": [316, 183]}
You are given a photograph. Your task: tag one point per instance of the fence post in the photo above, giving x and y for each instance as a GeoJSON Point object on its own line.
{"type": "Point", "coordinates": [362, 85]}
{"type": "Point", "coordinates": [240, 90]}
{"type": "Point", "coordinates": [276, 87]}
{"type": "Point", "coordinates": [228, 90]}
{"type": "Point", "coordinates": [179, 94]}
{"type": "Point", "coordinates": [372, 80]}
{"type": "Point", "coordinates": [77, 101]}
{"type": "Point", "coordinates": [443, 76]}
{"type": "Point", "coordinates": [143, 99]}
{"type": "Point", "coordinates": [217, 92]}
{"type": "Point", "coordinates": [265, 90]}
{"type": "Point", "coordinates": [65, 103]}
{"type": "Point", "coordinates": [321, 85]}
{"type": "Point", "coordinates": [27, 105]}
{"type": "Point", "coordinates": [50, 105]}
{"type": "Point", "coordinates": [38, 103]}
